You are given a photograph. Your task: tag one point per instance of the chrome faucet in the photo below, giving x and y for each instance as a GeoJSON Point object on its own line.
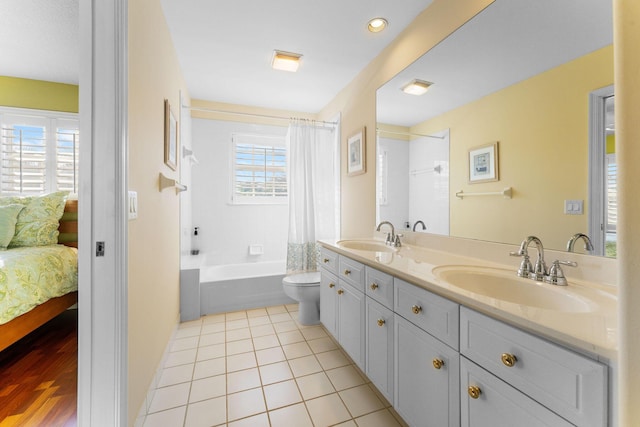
{"type": "Point", "coordinates": [392, 239]}
{"type": "Point", "coordinates": [424, 227]}
{"type": "Point", "coordinates": [539, 269]}
{"type": "Point", "coordinates": [588, 246]}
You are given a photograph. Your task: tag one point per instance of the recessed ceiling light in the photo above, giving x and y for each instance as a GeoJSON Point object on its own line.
{"type": "Point", "coordinates": [416, 87]}
{"type": "Point", "coordinates": [285, 61]}
{"type": "Point", "coordinates": [377, 24]}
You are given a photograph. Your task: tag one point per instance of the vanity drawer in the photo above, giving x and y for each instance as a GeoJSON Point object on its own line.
{"type": "Point", "coordinates": [329, 260]}
{"type": "Point", "coordinates": [351, 272]}
{"type": "Point", "coordinates": [568, 383]}
{"type": "Point", "coordinates": [379, 286]}
{"type": "Point", "coordinates": [431, 312]}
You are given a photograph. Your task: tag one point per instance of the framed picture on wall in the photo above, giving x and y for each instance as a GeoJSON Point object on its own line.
{"type": "Point", "coordinates": [170, 137]}
{"type": "Point", "coordinates": [483, 163]}
{"type": "Point", "coordinates": [356, 154]}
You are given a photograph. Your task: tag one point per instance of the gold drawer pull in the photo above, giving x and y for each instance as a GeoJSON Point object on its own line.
{"type": "Point", "coordinates": [373, 286]}
{"type": "Point", "coordinates": [416, 309]}
{"type": "Point", "coordinates": [474, 391]}
{"type": "Point", "coordinates": [438, 363]}
{"type": "Point", "coordinates": [332, 285]}
{"type": "Point", "coordinates": [509, 359]}
{"type": "Point", "coordinates": [326, 260]}
{"type": "Point", "coordinates": [381, 322]}
{"type": "Point", "coordinates": [347, 272]}
{"type": "Point", "coordinates": [340, 291]}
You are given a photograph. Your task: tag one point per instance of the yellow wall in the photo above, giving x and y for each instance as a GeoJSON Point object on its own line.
{"type": "Point", "coordinates": [154, 245]}
{"type": "Point", "coordinates": [38, 94]}
{"type": "Point", "coordinates": [357, 103]}
{"type": "Point", "coordinates": [542, 127]}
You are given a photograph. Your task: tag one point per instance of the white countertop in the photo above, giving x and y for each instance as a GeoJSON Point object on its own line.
{"type": "Point", "coordinates": [591, 332]}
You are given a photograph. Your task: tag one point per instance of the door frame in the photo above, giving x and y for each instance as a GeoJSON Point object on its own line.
{"type": "Point", "coordinates": [102, 280]}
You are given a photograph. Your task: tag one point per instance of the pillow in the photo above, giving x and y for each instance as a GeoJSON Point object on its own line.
{"type": "Point", "coordinates": [38, 222]}
{"type": "Point", "coordinates": [8, 219]}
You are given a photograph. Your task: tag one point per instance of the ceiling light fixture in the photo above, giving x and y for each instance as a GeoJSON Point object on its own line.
{"type": "Point", "coordinates": [416, 87]}
{"type": "Point", "coordinates": [377, 24]}
{"type": "Point", "coordinates": [285, 61]}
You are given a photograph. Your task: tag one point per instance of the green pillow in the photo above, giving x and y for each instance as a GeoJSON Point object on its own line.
{"type": "Point", "coordinates": [38, 222]}
{"type": "Point", "coordinates": [8, 219]}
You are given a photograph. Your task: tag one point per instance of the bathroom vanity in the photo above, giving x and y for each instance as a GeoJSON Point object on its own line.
{"type": "Point", "coordinates": [448, 355]}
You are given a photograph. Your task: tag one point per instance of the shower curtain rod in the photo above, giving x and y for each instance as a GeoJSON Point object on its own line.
{"type": "Point", "coordinates": [263, 116]}
{"type": "Point", "coordinates": [378, 130]}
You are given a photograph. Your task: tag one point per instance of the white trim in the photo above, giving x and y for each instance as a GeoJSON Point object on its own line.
{"type": "Point", "coordinates": [102, 331]}
{"type": "Point", "coordinates": [596, 181]}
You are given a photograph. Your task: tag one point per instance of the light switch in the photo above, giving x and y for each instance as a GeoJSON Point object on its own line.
{"type": "Point", "coordinates": [133, 204]}
{"type": "Point", "coordinates": [573, 207]}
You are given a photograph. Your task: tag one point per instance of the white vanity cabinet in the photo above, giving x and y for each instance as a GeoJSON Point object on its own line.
{"type": "Point", "coordinates": [379, 330]}
{"type": "Point", "coordinates": [328, 301]}
{"type": "Point", "coordinates": [569, 384]}
{"type": "Point", "coordinates": [351, 328]}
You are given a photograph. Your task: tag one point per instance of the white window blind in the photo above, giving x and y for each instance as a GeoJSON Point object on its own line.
{"type": "Point", "coordinates": [259, 169]}
{"type": "Point", "coordinates": [38, 151]}
{"type": "Point", "coordinates": [612, 193]}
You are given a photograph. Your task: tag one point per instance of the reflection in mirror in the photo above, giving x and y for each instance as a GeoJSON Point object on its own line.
{"type": "Point", "coordinates": [519, 73]}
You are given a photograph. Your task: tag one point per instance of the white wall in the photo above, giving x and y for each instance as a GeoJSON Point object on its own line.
{"type": "Point", "coordinates": [396, 209]}
{"type": "Point", "coordinates": [227, 230]}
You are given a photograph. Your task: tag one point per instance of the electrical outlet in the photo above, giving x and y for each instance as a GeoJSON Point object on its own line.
{"type": "Point", "coordinates": [574, 207]}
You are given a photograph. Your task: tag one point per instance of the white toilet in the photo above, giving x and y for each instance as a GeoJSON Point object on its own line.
{"type": "Point", "coordinates": [305, 288]}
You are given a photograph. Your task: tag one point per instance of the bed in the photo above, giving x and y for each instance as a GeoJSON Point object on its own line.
{"type": "Point", "coordinates": [39, 282]}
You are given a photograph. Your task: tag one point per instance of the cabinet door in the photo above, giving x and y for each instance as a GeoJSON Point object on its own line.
{"type": "Point", "coordinates": [328, 302]}
{"type": "Point", "coordinates": [379, 351]}
{"type": "Point", "coordinates": [497, 404]}
{"type": "Point", "coordinates": [427, 378]}
{"type": "Point", "coordinates": [351, 322]}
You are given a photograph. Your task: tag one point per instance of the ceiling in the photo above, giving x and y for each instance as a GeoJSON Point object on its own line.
{"type": "Point", "coordinates": [224, 47]}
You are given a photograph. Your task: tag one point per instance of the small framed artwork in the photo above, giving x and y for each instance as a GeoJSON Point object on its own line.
{"type": "Point", "coordinates": [483, 163]}
{"type": "Point", "coordinates": [356, 153]}
{"type": "Point", "coordinates": [170, 137]}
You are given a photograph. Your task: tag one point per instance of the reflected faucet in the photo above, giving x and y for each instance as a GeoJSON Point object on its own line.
{"type": "Point", "coordinates": [539, 270]}
{"type": "Point", "coordinates": [424, 227]}
{"type": "Point", "coordinates": [391, 236]}
{"type": "Point", "coordinates": [588, 246]}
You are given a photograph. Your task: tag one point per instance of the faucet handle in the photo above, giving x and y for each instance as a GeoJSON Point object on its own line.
{"type": "Point", "coordinates": [396, 242]}
{"type": "Point", "coordinates": [525, 266]}
{"type": "Point", "coordinates": [556, 275]}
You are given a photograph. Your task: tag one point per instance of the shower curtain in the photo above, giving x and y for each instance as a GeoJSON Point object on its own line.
{"type": "Point", "coordinates": [313, 191]}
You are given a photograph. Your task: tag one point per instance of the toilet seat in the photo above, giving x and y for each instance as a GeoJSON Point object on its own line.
{"type": "Point", "coordinates": [303, 279]}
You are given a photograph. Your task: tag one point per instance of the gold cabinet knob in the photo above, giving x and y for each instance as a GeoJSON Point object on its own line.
{"type": "Point", "coordinates": [474, 391]}
{"type": "Point", "coordinates": [332, 285]}
{"type": "Point", "coordinates": [326, 260]}
{"type": "Point", "coordinates": [509, 359]}
{"type": "Point", "coordinates": [438, 363]}
{"type": "Point", "coordinates": [340, 291]}
{"type": "Point", "coordinates": [416, 309]}
{"type": "Point", "coordinates": [374, 286]}
{"type": "Point", "coordinates": [381, 322]}
{"type": "Point", "coordinates": [347, 272]}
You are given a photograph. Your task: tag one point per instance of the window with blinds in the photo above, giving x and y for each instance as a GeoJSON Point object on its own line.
{"type": "Point", "coordinates": [259, 169]}
{"type": "Point", "coordinates": [612, 193]}
{"type": "Point", "coordinates": [38, 151]}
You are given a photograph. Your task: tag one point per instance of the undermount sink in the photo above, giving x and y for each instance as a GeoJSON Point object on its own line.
{"type": "Point", "coordinates": [366, 245]}
{"type": "Point", "coordinates": [504, 285]}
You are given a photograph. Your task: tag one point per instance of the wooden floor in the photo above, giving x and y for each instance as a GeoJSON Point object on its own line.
{"type": "Point", "coordinates": [38, 376]}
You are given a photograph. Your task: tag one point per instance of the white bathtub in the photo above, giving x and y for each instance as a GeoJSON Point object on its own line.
{"type": "Point", "coordinates": [234, 287]}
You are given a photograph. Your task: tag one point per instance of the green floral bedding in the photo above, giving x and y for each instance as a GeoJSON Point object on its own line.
{"type": "Point", "coordinates": [30, 276]}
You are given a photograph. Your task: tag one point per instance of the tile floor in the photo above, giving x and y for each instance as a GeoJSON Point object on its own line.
{"type": "Point", "coordinates": [260, 368]}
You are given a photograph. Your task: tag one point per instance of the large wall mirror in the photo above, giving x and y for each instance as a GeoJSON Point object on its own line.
{"type": "Point", "coordinates": [508, 107]}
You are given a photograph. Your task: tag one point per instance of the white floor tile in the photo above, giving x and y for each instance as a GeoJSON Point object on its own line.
{"type": "Point", "coordinates": [243, 380]}
{"type": "Point", "coordinates": [190, 324]}
{"type": "Point", "coordinates": [290, 337]}
{"type": "Point", "coordinates": [238, 362]}
{"type": "Point", "coordinates": [327, 410]}
{"type": "Point", "coordinates": [180, 358]}
{"type": "Point", "coordinates": [281, 394]}
{"type": "Point", "coordinates": [291, 307]}
{"type": "Point", "coordinates": [276, 309]}
{"type": "Point", "coordinates": [209, 368]}
{"type": "Point", "coordinates": [213, 328]}
{"type": "Point", "coordinates": [261, 330]}
{"type": "Point", "coordinates": [268, 341]}
{"type": "Point", "coordinates": [294, 415]}
{"type": "Point", "coordinates": [257, 312]}
{"type": "Point", "coordinates": [270, 355]}
{"type": "Point", "coordinates": [176, 375]}
{"type": "Point", "coordinates": [241, 346]}
{"type": "Point", "coordinates": [381, 418]}
{"type": "Point", "coordinates": [211, 339]}
{"type": "Point", "coordinates": [238, 334]}
{"type": "Point", "coordinates": [213, 318]}
{"type": "Point", "coordinates": [332, 359]}
{"type": "Point", "coordinates": [245, 403]}
{"type": "Point", "coordinates": [210, 352]}
{"type": "Point", "coordinates": [212, 412]}
{"type": "Point", "coordinates": [314, 332]}
{"type": "Point", "coordinates": [275, 372]}
{"type": "Point", "coordinates": [193, 331]}
{"type": "Point", "coordinates": [349, 423]}
{"type": "Point", "coordinates": [259, 321]}
{"type": "Point", "coordinates": [171, 418]}
{"type": "Point", "coordinates": [208, 388]}
{"type": "Point", "coordinates": [305, 366]}
{"type": "Point", "coordinates": [237, 324]}
{"type": "Point", "coordinates": [315, 385]}
{"type": "Point", "coordinates": [321, 345]}
{"type": "Point", "coordinates": [285, 326]}
{"type": "Point", "coordinates": [184, 343]}
{"type": "Point", "coordinates": [236, 315]}
{"type": "Point", "coordinates": [293, 351]}
{"type": "Point", "coordinates": [170, 397]}
{"type": "Point", "coordinates": [345, 377]}
{"type": "Point", "coordinates": [280, 317]}
{"type": "Point", "coordinates": [260, 420]}
{"type": "Point", "coordinates": [361, 400]}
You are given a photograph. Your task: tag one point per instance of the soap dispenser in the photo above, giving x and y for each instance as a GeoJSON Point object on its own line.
{"type": "Point", "coordinates": [194, 241]}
